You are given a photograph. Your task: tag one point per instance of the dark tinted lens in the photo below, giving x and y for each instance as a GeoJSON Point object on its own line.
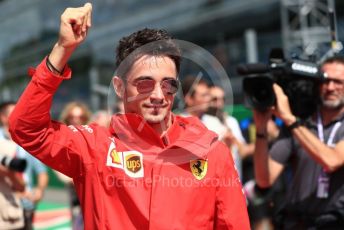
{"type": "Point", "coordinates": [169, 86]}
{"type": "Point", "coordinates": [145, 85]}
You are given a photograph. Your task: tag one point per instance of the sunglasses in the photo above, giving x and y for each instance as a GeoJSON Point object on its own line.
{"type": "Point", "coordinates": [168, 86]}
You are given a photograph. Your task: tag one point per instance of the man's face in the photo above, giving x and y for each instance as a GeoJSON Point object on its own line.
{"type": "Point", "coordinates": [199, 101]}
{"type": "Point", "coordinates": [154, 106]}
{"type": "Point", "coordinates": [332, 90]}
{"type": "Point", "coordinates": [217, 97]}
{"type": "Point", "coordinates": [76, 116]}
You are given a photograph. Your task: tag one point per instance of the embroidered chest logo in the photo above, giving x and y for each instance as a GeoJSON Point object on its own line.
{"type": "Point", "coordinates": [114, 158]}
{"type": "Point", "coordinates": [133, 166]}
{"type": "Point", "coordinates": [199, 168]}
{"type": "Point", "coordinates": [133, 163]}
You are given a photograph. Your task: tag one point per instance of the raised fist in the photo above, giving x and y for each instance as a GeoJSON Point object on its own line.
{"type": "Point", "coordinates": [75, 23]}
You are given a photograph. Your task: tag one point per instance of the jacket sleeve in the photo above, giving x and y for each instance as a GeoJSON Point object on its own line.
{"type": "Point", "coordinates": [231, 209]}
{"type": "Point", "coordinates": [55, 144]}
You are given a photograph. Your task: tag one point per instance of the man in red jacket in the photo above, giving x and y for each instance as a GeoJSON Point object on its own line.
{"type": "Point", "coordinates": [150, 169]}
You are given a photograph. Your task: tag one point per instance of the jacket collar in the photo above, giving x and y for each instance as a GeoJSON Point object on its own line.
{"type": "Point", "coordinates": [187, 133]}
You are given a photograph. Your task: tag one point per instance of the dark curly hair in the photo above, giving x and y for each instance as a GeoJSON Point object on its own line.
{"type": "Point", "coordinates": [145, 42]}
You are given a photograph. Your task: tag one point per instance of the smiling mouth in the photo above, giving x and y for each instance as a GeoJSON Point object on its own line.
{"type": "Point", "coordinates": [155, 106]}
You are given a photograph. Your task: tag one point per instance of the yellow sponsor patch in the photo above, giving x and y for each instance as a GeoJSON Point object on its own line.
{"type": "Point", "coordinates": [116, 159]}
{"type": "Point", "coordinates": [199, 168]}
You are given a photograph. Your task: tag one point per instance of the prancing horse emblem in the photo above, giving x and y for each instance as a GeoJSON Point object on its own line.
{"type": "Point", "coordinates": [199, 168]}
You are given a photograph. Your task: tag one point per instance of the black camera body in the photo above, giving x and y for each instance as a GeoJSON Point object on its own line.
{"type": "Point", "coordinates": [14, 164]}
{"type": "Point", "coordinates": [299, 80]}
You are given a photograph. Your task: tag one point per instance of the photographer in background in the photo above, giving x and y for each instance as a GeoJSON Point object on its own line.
{"type": "Point", "coordinates": [315, 151]}
{"type": "Point", "coordinates": [11, 182]}
{"type": "Point", "coordinates": [31, 194]}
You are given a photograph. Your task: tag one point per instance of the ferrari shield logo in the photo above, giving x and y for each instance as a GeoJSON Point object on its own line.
{"type": "Point", "coordinates": [199, 168]}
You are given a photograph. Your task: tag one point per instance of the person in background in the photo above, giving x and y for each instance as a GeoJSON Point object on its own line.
{"type": "Point", "coordinates": [74, 113]}
{"type": "Point", "coordinates": [197, 100]}
{"type": "Point", "coordinates": [264, 203]}
{"type": "Point", "coordinates": [11, 182]}
{"type": "Point", "coordinates": [314, 148]}
{"type": "Point", "coordinates": [34, 168]}
{"type": "Point", "coordinates": [33, 193]}
{"type": "Point", "coordinates": [259, 207]}
{"type": "Point", "coordinates": [233, 138]}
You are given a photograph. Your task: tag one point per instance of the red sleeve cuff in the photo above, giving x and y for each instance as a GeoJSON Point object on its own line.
{"type": "Point", "coordinates": [47, 79]}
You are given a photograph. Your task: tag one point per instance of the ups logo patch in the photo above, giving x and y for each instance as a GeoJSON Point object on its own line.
{"type": "Point", "coordinates": [133, 163]}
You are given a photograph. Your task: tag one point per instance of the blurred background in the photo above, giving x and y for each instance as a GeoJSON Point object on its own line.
{"type": "Point", "coordinates": [234, 31]}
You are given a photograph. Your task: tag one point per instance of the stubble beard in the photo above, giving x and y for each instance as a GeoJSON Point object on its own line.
{"type": "Point", "coordinates": [333, 104]}
{"type": "Point", "coordinates": [156, 117]}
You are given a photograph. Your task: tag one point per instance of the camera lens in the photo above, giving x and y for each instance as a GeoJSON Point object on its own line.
{"type": "Point", "coordinates": [258, 92]}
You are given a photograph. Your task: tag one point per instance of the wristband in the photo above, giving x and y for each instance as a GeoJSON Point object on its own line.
{"type": "Point", "coordinates": [261, 191]}
{"type": "Point", "coordinates": [52, 68]}
{"type": "Point", "coordinates": [296, 124]}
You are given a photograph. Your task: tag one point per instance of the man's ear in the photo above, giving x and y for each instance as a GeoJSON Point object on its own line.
{"type": "Point", "coordinates": [118, 85]}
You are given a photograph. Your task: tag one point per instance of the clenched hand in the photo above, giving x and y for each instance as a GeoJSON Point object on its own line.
{"type": "Point", "coordinates": [75, 23]}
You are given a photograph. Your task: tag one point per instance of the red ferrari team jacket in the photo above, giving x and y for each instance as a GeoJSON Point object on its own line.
{"type": "Point", "coordinates": [127, 177]}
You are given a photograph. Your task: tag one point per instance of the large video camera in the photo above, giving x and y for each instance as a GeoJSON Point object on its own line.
{"type": "Point", "coordinates": [14, 164]}
{"type": "Point", "coordinates": [299, 80]}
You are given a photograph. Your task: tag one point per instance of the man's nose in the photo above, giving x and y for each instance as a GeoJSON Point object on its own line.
{"type": "Point", "coordinates": [157, 92]}
{"type": "Point", "coordinates": [331, 85]}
